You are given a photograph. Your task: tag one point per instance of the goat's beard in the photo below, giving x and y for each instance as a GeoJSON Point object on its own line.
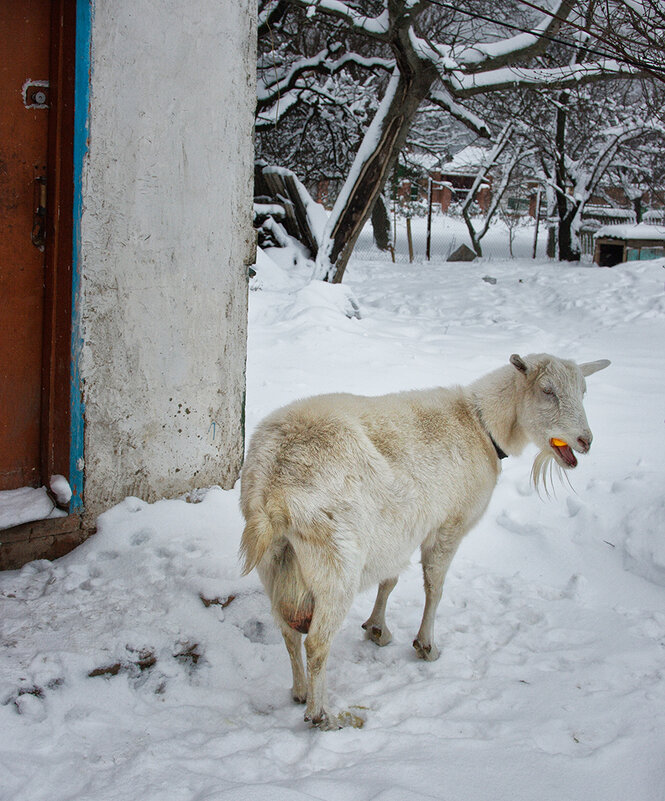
{"type": "Point", "coordinates": [545, 468]}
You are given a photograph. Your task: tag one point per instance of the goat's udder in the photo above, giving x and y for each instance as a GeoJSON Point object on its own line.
{"type": "Point", "coordinates": [298, 619]}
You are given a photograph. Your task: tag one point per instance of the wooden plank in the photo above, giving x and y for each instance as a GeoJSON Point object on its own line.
{"type": "Point", "coordinates": [40, 539]}
{"type": "Point", "coordinates": [307, 237]}
{"type": "Point", "coordinates": [283, 188]}
{"type": "Point", "coordinates": [278, 192]}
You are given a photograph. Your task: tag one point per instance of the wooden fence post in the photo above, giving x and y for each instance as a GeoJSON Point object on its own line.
{"type": "Point", "coordinates": [428, 246]}
{"type": "Point", "coordinates": [409, 238]}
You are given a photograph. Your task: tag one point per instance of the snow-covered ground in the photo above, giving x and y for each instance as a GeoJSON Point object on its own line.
{"type": "Point", "coordinates": [142, 667]}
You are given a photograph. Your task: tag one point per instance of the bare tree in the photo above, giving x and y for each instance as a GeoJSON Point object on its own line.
{"type": "Point", "coordinates": [500, 161]}
{"type": "Point", "coordinates": [589, 131]}
{"type": "Point", "coordinates": [445, 74]}
{"type": "Point", "coordinates": [438, 54]}
{"type": "Point", "coordinates": [581, 136]}
{"type": "Point", "coordinates": [639, 171]}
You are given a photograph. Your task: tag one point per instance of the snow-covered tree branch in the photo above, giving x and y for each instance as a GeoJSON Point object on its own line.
{"type": "Point", "coordinates": [375, 27]}
{"type": "Point", "coordinates": [467, 85]}
{"type": "Point", "coordinates": [272, 88]}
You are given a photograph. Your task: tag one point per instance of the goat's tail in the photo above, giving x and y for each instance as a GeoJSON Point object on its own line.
{"type": "Point", "coordinates": [256, 539]}
{"type": "Point", "coordinates": [292, 601]}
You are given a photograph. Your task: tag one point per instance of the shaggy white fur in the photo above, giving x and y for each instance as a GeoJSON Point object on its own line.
{"type": "Point", "coordinates": [339, 490]}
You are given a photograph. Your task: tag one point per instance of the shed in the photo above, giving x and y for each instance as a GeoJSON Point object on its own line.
{"type": "Point", "coordinates": [615, 244]}
{"type": "Point", "coordinates": [127, 155]}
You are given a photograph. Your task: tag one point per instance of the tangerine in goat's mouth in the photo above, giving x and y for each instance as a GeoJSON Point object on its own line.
{"type": "Point", "coordinates": [565, 452]}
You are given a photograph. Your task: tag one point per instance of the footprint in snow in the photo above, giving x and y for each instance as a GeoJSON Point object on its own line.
{"type": "Point", "coordinates": [515, 527]}
{"type": "Point", "coordinates": [140, 537]}
{"type": "Point", "coordinates": [257, 631]}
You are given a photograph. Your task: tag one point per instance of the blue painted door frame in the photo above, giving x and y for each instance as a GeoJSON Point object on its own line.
{"type": "Point", "coordinates": [84, 12]}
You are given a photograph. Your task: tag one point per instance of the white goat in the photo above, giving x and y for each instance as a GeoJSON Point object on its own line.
{"type": "Point", "coordinates": [339, 490]}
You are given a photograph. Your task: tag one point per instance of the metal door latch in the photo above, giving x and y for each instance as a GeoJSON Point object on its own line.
{"type": "Point", "coordinates": [39, 215]}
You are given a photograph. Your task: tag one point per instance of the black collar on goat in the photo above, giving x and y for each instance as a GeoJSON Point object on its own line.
{"type": "Point", "coordinates": [500, 453]}
{"type": "Point", "coordinates": [499, 450]}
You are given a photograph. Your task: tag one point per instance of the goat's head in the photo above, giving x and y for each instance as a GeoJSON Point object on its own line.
{"type": "Point", "coordinates": [551, 410]}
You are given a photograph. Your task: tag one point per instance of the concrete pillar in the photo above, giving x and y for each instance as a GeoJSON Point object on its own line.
{"type": "Point", "coordinates": [166, 238]}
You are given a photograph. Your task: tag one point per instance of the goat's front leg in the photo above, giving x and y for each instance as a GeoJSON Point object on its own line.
{"type": "Point", "coordinates": [375, 626]}
{"type": "Point", "coordinates": [436, 558]}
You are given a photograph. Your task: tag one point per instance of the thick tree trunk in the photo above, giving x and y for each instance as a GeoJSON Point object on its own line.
{"type": "Point", "coordinates": [377, 154]}
{"type": "Point", "coordinates": [551, 242]}
{"type": "Point", "coordinates": [566, 250]}
{"type": "Point", "coordinates": [639, 208]}
{"type": "Point", "coordinates": [381, 223]}
{"type": "Point", "coordinates": [564, 204]}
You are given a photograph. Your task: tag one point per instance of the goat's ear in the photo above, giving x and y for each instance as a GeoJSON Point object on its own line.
{"type": "Point", "coordinates": [519, 363]}
{"type": "Point", "coordinates": [593, 367]}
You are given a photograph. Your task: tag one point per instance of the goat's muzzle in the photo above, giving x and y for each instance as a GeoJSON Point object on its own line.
{"type": "Point", "coordinates": [584, 443]}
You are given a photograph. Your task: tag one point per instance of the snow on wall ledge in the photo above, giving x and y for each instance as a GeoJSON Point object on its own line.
{"type": "Point", "coordinates": [166, 239]}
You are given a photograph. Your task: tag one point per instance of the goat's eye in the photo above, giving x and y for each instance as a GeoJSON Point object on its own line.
{"type": "Point", "coordinates": [549, 391]}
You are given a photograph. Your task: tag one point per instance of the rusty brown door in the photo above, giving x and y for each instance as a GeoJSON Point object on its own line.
{"type": "Point", "coordinates": [24, 74]}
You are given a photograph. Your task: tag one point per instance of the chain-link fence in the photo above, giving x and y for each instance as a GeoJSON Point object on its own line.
{"type": "Point", "coordinates": [513, 238]}
{"type": "Point", "coordinates": [513, 233]}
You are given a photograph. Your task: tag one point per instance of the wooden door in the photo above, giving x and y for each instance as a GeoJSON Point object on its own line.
{"type": "Point", "coordinates": [37, 74]}
{"type": "Point", "coordinates": [24, 75]}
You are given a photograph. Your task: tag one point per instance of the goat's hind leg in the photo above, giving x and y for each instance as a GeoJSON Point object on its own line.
{"type": "Point", "coordinates": [330, 609]}
{"type": "Point", "coordinates": [292, 640]}
{"type": "Point", "coordinates": [375, 626]}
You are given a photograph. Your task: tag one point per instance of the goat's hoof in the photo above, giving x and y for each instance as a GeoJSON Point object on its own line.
{"type": "Point", "coordinates": [323, 721]}
{"type": "Point", "coordinates": [377, 634]}
{"type": "Point", "coordinates": [326, 722]}
{"type": "Point", "coordinates": [299, 697]}
{"type": "Point", "coordinates": [430, 653]}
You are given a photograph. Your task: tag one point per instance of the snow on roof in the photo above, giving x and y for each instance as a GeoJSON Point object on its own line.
{"type": "Point", "coordinates": [467, 161]}
{"type": "Point", "coordinates": [607, 211]}
{"type": "Point", "coordinates": [426, 161]}
{"type": "Point", "coordinates": [640, 231]}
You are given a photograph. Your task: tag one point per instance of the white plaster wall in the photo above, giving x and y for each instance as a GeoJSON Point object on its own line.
{"type": "Point", "coordinates": [166, 240]}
